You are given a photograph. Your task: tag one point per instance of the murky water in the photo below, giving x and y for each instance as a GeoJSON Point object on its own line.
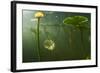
{"type": "Point", "coordinates": [49, 38]}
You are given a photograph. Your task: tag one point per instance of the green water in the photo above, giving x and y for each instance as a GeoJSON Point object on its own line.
{"type": "Point", "coordinates": [54, 37]}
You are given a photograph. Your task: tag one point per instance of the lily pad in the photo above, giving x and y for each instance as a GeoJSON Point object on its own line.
{"type": "Point", "coordinates": [75, 20]}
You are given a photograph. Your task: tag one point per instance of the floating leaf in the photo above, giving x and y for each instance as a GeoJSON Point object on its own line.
{"type": "Point", "coordinates": [77, 21]}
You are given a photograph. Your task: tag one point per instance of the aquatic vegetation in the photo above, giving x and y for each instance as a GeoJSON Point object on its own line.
{"type": "Point", "coordinates": [49, 44]}
{"type": "Point", "coordinates": [79, 22]}
{"type": "Point", "coordinates": [56, 36]}
{"type": "Point", "coordinates": [66, 22]}
{"type": "Point", "coordinates": [38, 15]}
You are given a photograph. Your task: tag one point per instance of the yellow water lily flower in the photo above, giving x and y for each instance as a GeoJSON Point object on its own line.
{"type": "Point", "coordinates": [39, 14]}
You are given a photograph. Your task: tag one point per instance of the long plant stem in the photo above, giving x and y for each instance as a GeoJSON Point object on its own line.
{"type": "Point", "coordinates": [38, 39]}
{"type": "Point", "coordinates": [82, 43]}
{"type": "Point", "coordinates": [70, 40]}
{"type": "Point", "coordinates": [81, 32]}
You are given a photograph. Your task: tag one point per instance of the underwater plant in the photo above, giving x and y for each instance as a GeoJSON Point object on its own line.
{"type": "Point", "coordinates": [79, 22]}
{"type": "Point", "coordinates": [49, 44]}
{"type": "Point", "coordinates": [38, 15]}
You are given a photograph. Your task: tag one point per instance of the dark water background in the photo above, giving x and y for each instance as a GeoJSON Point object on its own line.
{"type": "Point", "coordinates": [53, 23]}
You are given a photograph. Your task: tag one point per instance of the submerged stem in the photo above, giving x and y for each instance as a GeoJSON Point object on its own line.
{"type": "Point", "coordinates": [70, 40]}
{"type": "Point", "coordinates": [81, 35]}
{"type": "Point", "coordinates": [38, 39]}
{"type": "Point", "coordinates": [82, 43]}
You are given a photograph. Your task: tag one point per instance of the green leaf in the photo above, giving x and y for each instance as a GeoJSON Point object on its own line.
{"type": "Point", "coordinates": [75, 20]}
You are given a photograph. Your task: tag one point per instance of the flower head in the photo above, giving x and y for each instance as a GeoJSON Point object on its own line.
{"type": "Point", "coordinates": [39, 14]}
{"type": "Point", "coordinates": [49, 44]}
